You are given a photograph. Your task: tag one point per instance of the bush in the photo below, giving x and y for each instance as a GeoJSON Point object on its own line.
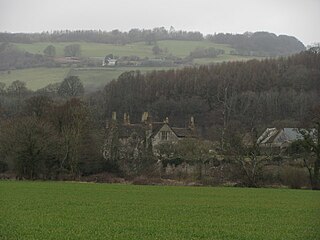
{"type": "Point", "coordinates": [3, 166]}
{"type": "Point", "coordinates": [294, 177]}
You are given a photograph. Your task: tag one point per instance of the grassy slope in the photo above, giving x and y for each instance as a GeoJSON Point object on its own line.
{"type": "Point", "coordinates": [57, 210]}
{"type": "Point", "coordinates": [92, 49]}
{"type": "Point", "coordinates": [94, 78]}
{"type": "Point", "coordinates": [35, 77]}
{"type": "Point", "coordinates": [176, 48]}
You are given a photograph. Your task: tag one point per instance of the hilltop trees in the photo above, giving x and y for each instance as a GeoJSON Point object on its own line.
{"type": "Point", "coordinates": [73, 50]}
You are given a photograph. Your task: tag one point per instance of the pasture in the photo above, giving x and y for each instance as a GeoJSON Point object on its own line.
{"type": "Point", "coordinates": [61, 210]}
{"type": "Point", "coordinates": [92, 78]}
{"type": "Point", "coordinates": [141, 49]}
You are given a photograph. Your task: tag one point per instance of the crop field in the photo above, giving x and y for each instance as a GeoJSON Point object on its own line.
{"type": "Point", "coordinates": [60, 210]}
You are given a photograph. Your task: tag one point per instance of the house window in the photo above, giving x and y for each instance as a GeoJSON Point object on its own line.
{"type": "Point", "coordinates": [164, 135]}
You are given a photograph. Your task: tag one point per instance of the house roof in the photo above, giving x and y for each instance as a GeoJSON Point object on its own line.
{"type": "Point", "coordinates": [126, 131]}
{"type": "Point", "coordinates": [156, 126]}
{"type": "Point", "coordinates": [183, 132]}
{"type": "Point", "coordinates": [282, 135]}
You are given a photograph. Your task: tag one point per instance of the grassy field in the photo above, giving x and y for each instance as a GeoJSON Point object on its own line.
{"type": "Point", "coordinates": [35, 78]}
{"type": "Point", "coordinates": [96, 77]}
{"type": "Point", "coordinates": [92, 78]}
{"type": "Point", "coordinates": [141, 49]}
{"type": "Point", "coordinates": [92, 49]}
{"type": "Point", "coordinates": [58, 210]}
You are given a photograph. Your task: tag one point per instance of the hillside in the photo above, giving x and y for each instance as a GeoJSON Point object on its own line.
{"type": "Point", "coordinates": [223, 94]}
{"type": "Point", "coordinates": [23, 57]}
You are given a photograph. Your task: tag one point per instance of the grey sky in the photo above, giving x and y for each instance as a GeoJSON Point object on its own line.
{"type": "Point", "coordinates": [292, 17]}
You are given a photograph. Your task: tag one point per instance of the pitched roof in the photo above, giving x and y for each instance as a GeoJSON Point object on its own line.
{"type": "Point", "coordinates": [156, 126]}
{"type": "Point", "coordinates": [126, 131]}
{"type": "Point", "coordinates": [183, 132]}
{"type": "Point", "coordinates": [282, 135]}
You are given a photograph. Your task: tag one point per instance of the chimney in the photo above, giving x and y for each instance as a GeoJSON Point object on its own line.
{"type": "Point", "coordinates": [192, 126]}
{"type": "Point", "coordinates": [166, 120]}
{"type": "Point", "coordinates": [126, 119]}
{"type": "Point", "coordinates": [114, 116]}
{"type": "Point", "coordinates": [145, 117]}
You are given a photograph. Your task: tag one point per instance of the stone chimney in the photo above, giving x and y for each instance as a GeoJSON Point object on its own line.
{"type": "Point", "coordinates": [166, 120]}
{"type": "Point", "coordinates": [126, 119]}
{"type": "Point", "coordinates": [145, 117]}
{"type": "Point", "coordinates": [114, 116]}
{"type": "Point", "coordinates": [192, 125]}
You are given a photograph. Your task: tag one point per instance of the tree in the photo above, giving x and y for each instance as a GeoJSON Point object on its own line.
{"type": "Point", "coordinates": [50, 51]}
{"type": "Point", "coordinates": [247, 157]}
{"type": "Point", "coordinates": [71, 122]}
{"type": "Point", "coordinates": [309, 148]}
{"type": "Point", "coordinates": [73, 50]}
{"type": "Point", "coordinates": [17, 88]}
{"type": "Point", "coordinates": [71, 87]}
{"type": "Point", "coordinates": [2, 88]}
{"type": "Point", "coordinates": [31, 144]}
{"type": "Point", "coordinates": [38, 106]}
{"type": "Point", "coordinates": [156, 50]}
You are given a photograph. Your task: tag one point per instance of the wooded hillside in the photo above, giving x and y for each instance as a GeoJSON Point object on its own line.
{"type": "Point", "coordinates": [242, 94]}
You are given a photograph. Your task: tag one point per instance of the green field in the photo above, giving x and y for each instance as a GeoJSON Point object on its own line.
{"type": "Point", "coordinates": [92, 49]}
{"type": "Point", "coordinates": [92, 78]}
{"type": "Point", "coordinates": [35, 78]}
{"type": "Point", "coordinates": [141, 49]}
{"type": "Point", "coordinates": [59, 210]}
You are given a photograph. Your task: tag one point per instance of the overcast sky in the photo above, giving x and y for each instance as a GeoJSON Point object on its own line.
{"type": "Point", "coordinates": [299, 18]}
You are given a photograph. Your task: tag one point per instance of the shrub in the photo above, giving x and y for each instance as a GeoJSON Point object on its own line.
{"type": "Point", "coordinates": [294, 177]}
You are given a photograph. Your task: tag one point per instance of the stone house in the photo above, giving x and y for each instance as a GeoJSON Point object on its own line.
{"type": "Point", "coordinates": [147, 133]}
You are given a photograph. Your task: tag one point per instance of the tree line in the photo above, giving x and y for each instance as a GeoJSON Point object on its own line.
{"type": "Point", "coordinates": [259, 43]}
{"type": "Point", "coordinates": [98, 36]}
{"type": "Point", "coordinates": [251, 44]}
{"type": "Point", "coordinates": [252, 93]}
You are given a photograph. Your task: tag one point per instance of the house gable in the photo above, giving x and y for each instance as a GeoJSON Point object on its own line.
{"type": "Point", "coordinates": [165, 134]}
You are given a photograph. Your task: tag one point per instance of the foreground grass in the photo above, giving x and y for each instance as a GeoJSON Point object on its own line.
{"type": "Point", "coordinates": [57, 210]}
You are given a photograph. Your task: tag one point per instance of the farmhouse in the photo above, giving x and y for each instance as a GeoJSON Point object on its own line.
{"type": "Point", "coordinates": [107, 61]}
{"type": "Point", "coordinates": [148, 132]}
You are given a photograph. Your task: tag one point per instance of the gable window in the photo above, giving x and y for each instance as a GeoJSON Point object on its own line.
{"type": "Point", "coordinates": [164, 135]}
